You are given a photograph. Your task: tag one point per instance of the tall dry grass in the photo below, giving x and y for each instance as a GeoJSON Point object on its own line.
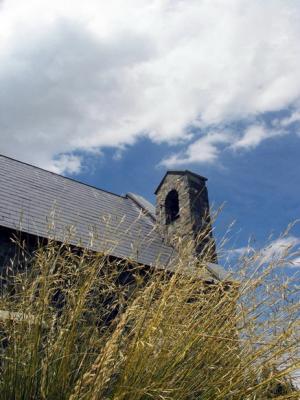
{"type": "Point", "coordinates": [77, 325]}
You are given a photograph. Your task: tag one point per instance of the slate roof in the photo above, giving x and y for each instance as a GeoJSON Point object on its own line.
{"type": "Point", "coordinates": [45, 204]}
{"type": "Point", "coordinates": [144, 204]}
{"type": "Point", "coordinates": [49, 205]}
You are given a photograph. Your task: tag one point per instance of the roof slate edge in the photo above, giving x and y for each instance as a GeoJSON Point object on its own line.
{"type": "Point", "coordinates": [179, 172]}
{"type": "Point", "coordinates": [135, 199]}
{"type": "Point", "coordinates": [61, 176]}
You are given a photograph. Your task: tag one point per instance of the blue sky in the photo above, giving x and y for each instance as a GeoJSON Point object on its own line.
{"type": "Point", "coordinates": [260, 188]}
{"type": "Point", "coordinates": [114, 93]}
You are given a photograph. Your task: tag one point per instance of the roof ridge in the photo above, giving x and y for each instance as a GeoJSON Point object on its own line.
{"type": "Point", "coordinates": [143, 204]}
{"type": "Point", "coordinates": [62, 176]}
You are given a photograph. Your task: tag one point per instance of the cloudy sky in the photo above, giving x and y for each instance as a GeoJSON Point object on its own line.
{"type": "Point", "coordinates": [114, 93]}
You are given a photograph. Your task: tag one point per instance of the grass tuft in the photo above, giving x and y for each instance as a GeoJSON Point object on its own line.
{"type": "Point", "coordinates": [79, 325]}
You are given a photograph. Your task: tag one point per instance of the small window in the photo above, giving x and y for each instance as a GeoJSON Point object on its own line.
{"type": "Point", "coordinates": [172, 206]}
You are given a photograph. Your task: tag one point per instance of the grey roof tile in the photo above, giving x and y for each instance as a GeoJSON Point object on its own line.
{"type": "Point", "coordinates": [45, 204]}
{"type": "Point", "coordinates": [144, 204]}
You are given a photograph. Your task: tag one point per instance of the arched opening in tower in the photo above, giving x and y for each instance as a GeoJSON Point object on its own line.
{"type": "Point", "coordinates": [172, 206]}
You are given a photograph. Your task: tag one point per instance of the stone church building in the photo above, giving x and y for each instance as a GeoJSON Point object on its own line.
{"type": "Point", "coordinates": [37, 205]}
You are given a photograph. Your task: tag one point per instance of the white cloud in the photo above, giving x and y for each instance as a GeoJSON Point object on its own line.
{"type": "Point", "coordinates": [203, 150]}
{"type": "Point", "coordinates": [287, 247]}
{"type": "Point", "coordinates": [254, 135]}
{"type": "Point", "coordinates": [80, 76]}
{"type": "Point", "coordinates": [296, 262]}
{"type": "Point", "coordinates": [281, 247]}
{"type": "Point", "coordinates": [69, 163]}
{"type": "Point", "coordinates": [294, 117]}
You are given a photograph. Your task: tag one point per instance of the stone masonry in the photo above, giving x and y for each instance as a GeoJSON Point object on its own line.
{"type": "Point", "coordinates": [193, 216]}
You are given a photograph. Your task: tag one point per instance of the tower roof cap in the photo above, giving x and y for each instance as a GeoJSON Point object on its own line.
{"type": "Point", "coordinates": [180, 172]}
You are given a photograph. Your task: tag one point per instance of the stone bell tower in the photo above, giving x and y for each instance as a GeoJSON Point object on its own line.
{"type": "Point", "coordinates": [182, 210]}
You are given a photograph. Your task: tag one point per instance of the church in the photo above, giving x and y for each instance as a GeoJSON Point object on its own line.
{"type": "Point", "coordinates": [37, 205]}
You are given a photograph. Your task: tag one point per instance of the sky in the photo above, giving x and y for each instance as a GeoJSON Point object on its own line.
{"type": "Point", "coordinates": [115, 93]}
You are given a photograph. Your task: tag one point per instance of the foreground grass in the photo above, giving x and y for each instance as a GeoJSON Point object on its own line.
{"type": "Point", "coordinates": [82, 326]}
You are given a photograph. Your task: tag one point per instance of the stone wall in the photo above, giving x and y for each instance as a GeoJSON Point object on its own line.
{"type": "Point", "coordinates": [193, 215]}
